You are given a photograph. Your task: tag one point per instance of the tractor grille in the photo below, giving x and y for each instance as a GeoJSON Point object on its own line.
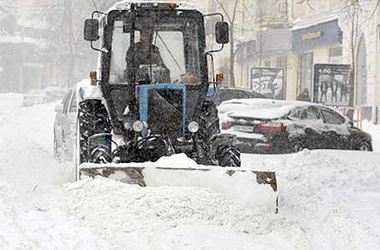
{"type": "Point", "coordinates": [165, 111]}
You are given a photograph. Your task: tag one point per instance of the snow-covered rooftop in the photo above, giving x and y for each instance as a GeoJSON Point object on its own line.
{"type": "Point", "coordinates": [314, 20]}
{"type": "Point", "coordinates": [22, 40]}
{"type": "Point", "coordinates": [126, 4]}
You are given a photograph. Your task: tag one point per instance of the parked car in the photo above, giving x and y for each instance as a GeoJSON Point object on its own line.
{"type": "Point", "coordinates": [224, 94]}
{"type": "Point", "coordinates": [39, 96]}
{"type": "Point", "coordinates": [34, 97]}
{"type": "Point", "coordinates": [275, 126]}
{"type": "Point", "coordinates": [64, 125]}
{"type": "Point", "coordinates": [55, 92]}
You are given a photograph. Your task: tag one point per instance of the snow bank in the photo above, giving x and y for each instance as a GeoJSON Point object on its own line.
{"type": "Point", "coordinates": [158, 217]}
{"type": "Point", "coordinates": [329, 199]}
{"type": "Point", "coordinates": [318, 190]}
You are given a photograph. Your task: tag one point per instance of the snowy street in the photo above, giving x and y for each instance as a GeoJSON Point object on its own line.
{"type": "Point", "coordinates": [328, 200]}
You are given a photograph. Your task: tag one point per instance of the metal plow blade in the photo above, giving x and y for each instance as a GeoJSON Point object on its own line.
{"type": "Point", "coordinates": [254, 188]}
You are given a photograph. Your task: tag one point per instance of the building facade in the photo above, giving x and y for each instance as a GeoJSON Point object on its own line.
{"type": "Point", "coordinates": [328, 48]}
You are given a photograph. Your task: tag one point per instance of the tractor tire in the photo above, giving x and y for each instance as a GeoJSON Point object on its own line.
{"type": "Point", "coordinates": [229, 157]}
{"type": "Point", "coordinates": [209, 121]}
{"type": "Point", "coordinates": [93, 119]}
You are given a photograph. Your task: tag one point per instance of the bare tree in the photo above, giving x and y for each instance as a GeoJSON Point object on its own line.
{"type": "Point", "coordinates": [7, 17]}
{"type": "Point", "coordinates": [357, 14]}
{"type": "Point", "coordinates": [307, 3]}
{"type": "Point", "coordinates": [63, 23]}
{"type": "Point", "coordinates": [353, 10]}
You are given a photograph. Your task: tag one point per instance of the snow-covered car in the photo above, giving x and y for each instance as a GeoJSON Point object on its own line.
{"type": "Point", "coordinates": [279, 126]}
{"type": "Point", "coordinates": [64, 125]}
{"type": "Point", "coordinates": [227, 107]}
{"type": "Point", "coordinates": [39, 96]}
{"type": "Point", "coordinates": [225, 94]}
{"type": "Point", "coordinates": [34, 97]}
{"type": "Point", "coordinates": [55, 92]}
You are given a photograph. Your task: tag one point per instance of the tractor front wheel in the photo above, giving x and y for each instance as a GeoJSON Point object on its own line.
{"type": "Point", "coordinates": [93, 120]}
{"type": "Point", "coordinates": [229, 157]}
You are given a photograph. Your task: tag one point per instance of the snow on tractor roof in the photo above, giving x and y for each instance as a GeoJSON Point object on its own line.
{"type": "Point", "coordinates": [125, 5]}
{"type": "Point", "coordinates": [88, 91]}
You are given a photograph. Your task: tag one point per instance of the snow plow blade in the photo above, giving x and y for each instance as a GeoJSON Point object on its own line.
{"type": "Point", "coordinates": [255, 188]}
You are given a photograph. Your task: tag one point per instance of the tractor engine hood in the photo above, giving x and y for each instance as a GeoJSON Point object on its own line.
{"type": "Point", "coordinates": [164, 108]}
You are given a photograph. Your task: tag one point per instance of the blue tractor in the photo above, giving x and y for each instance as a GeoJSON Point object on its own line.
{"type": "Point", "coordinates": [153, 100]}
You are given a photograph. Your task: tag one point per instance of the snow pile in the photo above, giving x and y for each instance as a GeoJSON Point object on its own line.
{"type": "Point", "coordinates": [147, 215]}
{"type": "Point", "coordinates": [132, 208]}
{"type": "Point", "coordinates": [319, 187]}
{"type": "Point", "coordinates": [329, 199]}
{"type": "Point", "coordinates": [374, 130]}
{"type": "Point", "coordinates": [8, 102]}
{"type": "Point", "coordinates": [9, 233]}
{"type": "Point", "coordinates": [40, 229]}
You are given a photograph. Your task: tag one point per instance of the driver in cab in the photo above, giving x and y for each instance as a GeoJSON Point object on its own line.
{"type": "Point", "coordinates": [148, 64]}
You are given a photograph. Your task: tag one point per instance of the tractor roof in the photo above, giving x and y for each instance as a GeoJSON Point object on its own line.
{"type": "Point", "coordinates": [125, 5]}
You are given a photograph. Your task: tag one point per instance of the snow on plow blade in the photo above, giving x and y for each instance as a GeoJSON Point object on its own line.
{"type": "Point", "coordinates": [254, 188]}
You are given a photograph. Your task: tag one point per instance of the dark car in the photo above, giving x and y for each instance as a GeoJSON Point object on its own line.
{"type": "Point", "coordinates": [225, 94]}
{"type": "Point", "coordinates": [274, 126]}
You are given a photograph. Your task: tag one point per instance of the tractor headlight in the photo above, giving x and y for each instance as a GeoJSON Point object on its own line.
{"type": "Point", "coordinates": [193, 127]}
{"type": "Point", "coordinates": [138, 126]}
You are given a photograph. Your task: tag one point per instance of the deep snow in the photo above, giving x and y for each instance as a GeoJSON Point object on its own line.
{"type": "Point", "coordinates": [328, 200]}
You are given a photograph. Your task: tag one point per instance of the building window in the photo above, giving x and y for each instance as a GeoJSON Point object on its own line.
{"type": "Point", "coordinates": [267, 63]}
{"type": "Point", "coordinates": [335, 55]}
{"type": "Point", "coordinates": [305, 73]}
{"type": "Point", "coordinates": [281, 61]}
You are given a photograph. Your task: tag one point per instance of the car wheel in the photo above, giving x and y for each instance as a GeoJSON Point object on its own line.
{"type": "Point", "coordinates": [297, 146]}
{"type": "Point", "coordinates": [364, 146]}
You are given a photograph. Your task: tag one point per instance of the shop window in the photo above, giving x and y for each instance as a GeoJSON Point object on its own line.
{"type": "Point", "coordinates": [335, 55]}
{"type": "Point", "coordinates": [281, 61]}
{"type": "Point", "coordinates": [305, 72]}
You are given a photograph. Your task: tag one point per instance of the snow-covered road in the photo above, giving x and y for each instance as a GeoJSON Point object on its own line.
{"type": "Point", "coordinates": [328, 200]}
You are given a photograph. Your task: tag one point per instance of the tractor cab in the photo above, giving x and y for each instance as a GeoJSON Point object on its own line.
{"type": "Point", "coordinates": [153, 64]}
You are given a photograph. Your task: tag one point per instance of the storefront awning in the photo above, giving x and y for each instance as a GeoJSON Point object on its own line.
{"type": "Point", "coordinates": [317, 35]}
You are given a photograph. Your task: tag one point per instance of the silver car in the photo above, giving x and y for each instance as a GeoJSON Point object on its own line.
{"type": "Point", "coordinates": [65, 125]}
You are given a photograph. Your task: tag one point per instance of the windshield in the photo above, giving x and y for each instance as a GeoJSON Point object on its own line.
{"type": "Point", "coordinates": [164, 51]}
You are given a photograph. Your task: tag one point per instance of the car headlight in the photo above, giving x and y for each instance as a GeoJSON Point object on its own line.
{"type": "Point", "coordinates": [193, 127]}
{"type": "Point", "coordinates": [138, 126]}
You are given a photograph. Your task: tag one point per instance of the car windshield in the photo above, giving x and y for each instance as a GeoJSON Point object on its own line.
{"type": "Point", "coordinates": [155, 52]}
